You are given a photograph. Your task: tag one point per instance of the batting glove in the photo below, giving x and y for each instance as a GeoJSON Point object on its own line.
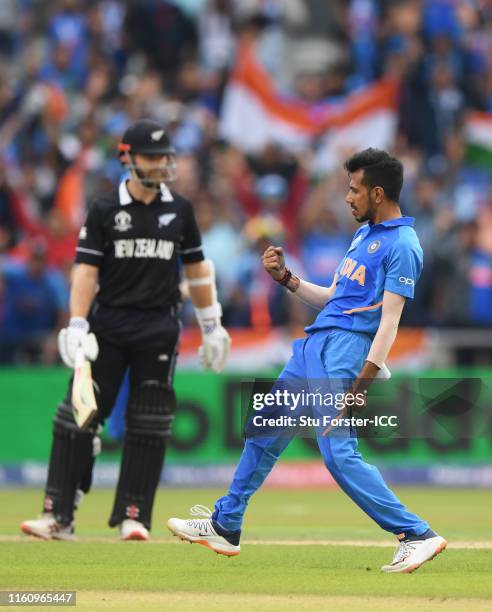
{"type": "Point", "coordinates": [216, 342]}
{"type": "Point", "coordinates": [74, 336]}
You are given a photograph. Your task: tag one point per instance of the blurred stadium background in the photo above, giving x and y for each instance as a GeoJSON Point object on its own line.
{"type": "Point", "coordinates": [263, 99]}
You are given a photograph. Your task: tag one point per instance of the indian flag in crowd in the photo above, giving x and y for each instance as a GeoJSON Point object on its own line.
{"type": "Point", "coordinates": [255, 112]}
{"type": "Point", "coordinates": [478, 136]}
{"type": "Point", "coordinates": [367, 118]}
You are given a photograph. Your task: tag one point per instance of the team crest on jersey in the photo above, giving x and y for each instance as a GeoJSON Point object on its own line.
{"type": "Point", "coordinates": [166, 219]}
{"type": "Point", "coordinates": [374, 246]}
{"type": "Point", "coordinates": [123, 221]}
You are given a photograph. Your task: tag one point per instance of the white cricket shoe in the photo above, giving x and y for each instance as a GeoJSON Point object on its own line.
{"type": "Point", "coordinates": [133, 530]}
{"type": "Point", "coordinates": [411, 554]}
{"type": "Point", "coordinates": [202, 531]}
{"type": "Point", "coordinates": [47, 528]}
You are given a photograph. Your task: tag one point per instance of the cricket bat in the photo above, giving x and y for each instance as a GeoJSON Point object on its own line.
{"type": "Point", "coordinates": [83, 399]}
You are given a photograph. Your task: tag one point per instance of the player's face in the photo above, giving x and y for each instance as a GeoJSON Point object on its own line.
{"type": "Point", "coordinates": [359, 198]}
{"type": "Point", "coordinates": [152, 170]}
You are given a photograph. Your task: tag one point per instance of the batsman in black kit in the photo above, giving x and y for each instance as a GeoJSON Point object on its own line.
{"type": "Point", "coordinates": [125, 291]}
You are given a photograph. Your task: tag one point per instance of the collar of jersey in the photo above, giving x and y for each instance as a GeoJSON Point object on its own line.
{"type": "Point", "coordinates": [126, 198]}
{"type": "Point", "coordinates": [394, 222]}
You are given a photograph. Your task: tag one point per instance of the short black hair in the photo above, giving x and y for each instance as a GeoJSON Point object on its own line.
{"type": "Point", "coordinates": [380, 170]}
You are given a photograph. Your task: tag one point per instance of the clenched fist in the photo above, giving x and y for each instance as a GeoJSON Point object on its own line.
{"type": "Point", "coordinates": [274, 262]}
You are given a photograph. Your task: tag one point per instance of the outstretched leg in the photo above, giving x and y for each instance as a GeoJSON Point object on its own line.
{"type": "Point", "coordinates": [221, 530]}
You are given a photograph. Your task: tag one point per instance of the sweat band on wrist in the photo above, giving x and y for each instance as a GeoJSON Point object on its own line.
{"type": "Point", "coordinates": [78, 323]}
{"type": "Point", "coordinates": [285, 278]}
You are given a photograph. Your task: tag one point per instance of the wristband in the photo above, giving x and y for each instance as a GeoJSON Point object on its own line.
{"type": "Point", "coordinates": [285, 278]}
{"type": "Point", "coordinates": [79, 323]}
{"type": "Point", "coordinates": [209, 312]}
{"type": "Point", "coordinates": [209, 317]}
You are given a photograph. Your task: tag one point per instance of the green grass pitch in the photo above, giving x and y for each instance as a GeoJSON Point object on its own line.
{"type": "Point", "coordinates": [301, 550]}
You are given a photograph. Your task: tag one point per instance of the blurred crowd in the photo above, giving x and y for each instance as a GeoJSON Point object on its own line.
{"type": "Point", "coordinates": [75, 73]}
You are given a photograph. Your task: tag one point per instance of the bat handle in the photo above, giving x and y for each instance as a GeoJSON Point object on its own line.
{"type": "Point", "coordinates": [79, 357]}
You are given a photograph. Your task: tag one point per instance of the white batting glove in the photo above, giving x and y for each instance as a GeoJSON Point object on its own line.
{"type": "Point", "coordinates": [216, 342]}
{"type": "Point", "coordinates": [74, 336]}
{"type": "Point", "coordinates": [215, 349]}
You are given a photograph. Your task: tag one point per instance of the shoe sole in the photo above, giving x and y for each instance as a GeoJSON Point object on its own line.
{"type": "Point", "coordinates": [136, 536]}
{"type": "Point", "coordinates": [412, 568]}
{"type": "Point", "coordinates": [206, 543]}
{"type": "Point", "coordinates": [69, 538]}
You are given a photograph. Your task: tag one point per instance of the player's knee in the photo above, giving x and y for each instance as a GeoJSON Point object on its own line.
{"type": "Point", "coordinates": [151, 409]}
{"type": "Point", "coordinates": [337, 450]}
{"type": "Point", "coordinates": [64, 422]}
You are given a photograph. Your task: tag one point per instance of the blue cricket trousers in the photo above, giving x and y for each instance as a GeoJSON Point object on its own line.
{"type": "Point", "coordinates": [332, 356]}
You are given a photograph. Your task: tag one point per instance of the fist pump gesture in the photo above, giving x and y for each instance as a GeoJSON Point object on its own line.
{"type": "Point", "coordinates": [274, 262]}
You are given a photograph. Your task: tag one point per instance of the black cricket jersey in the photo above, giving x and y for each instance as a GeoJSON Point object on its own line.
{"type": "Point", "coordinates": [136, 247]}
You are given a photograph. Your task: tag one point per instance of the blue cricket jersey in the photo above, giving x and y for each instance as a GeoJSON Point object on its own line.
{"type": "Point", "coordinates": [386, 256]}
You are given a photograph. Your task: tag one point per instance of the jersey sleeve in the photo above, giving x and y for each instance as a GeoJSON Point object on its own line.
{"type": "Point", "coordinates": [190, 249]}
{"type": "Point", "coordinates": [90, 248]}
{"type": "Point", "coordinates": [403, 268]}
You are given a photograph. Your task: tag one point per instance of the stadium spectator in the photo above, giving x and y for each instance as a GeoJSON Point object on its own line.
{"type": "Point", "coordinates": [34, 307]}
{"type": "Point", "coordinates": [253, 301]}
{"type": "Point", "coordinates": [324, 239]}
{"type": "Point", "coordinates": [163, 32]}
{"type": "Point", "coordinates": [73, 75]}
{"type": "Point", "coordinates": [219, 236]}
{"type": "Point", "coordinates": [273, 183]}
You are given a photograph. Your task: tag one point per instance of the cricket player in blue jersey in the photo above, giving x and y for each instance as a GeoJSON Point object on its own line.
{"type": "Point", "coordinates": [349, 340]}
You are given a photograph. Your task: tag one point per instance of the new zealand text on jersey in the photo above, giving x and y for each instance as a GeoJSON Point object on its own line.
{"type": "Point", "coordinates": [143, 247]}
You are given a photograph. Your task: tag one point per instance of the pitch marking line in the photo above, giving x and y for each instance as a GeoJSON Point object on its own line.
{"type": "Point", "coordinates": [366, 543]}
{"type": "Point", "coordinates": [457, 544]}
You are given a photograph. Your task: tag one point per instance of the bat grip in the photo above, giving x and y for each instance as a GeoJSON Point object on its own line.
{"type": "Point", "coordinates": [79, 357]}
